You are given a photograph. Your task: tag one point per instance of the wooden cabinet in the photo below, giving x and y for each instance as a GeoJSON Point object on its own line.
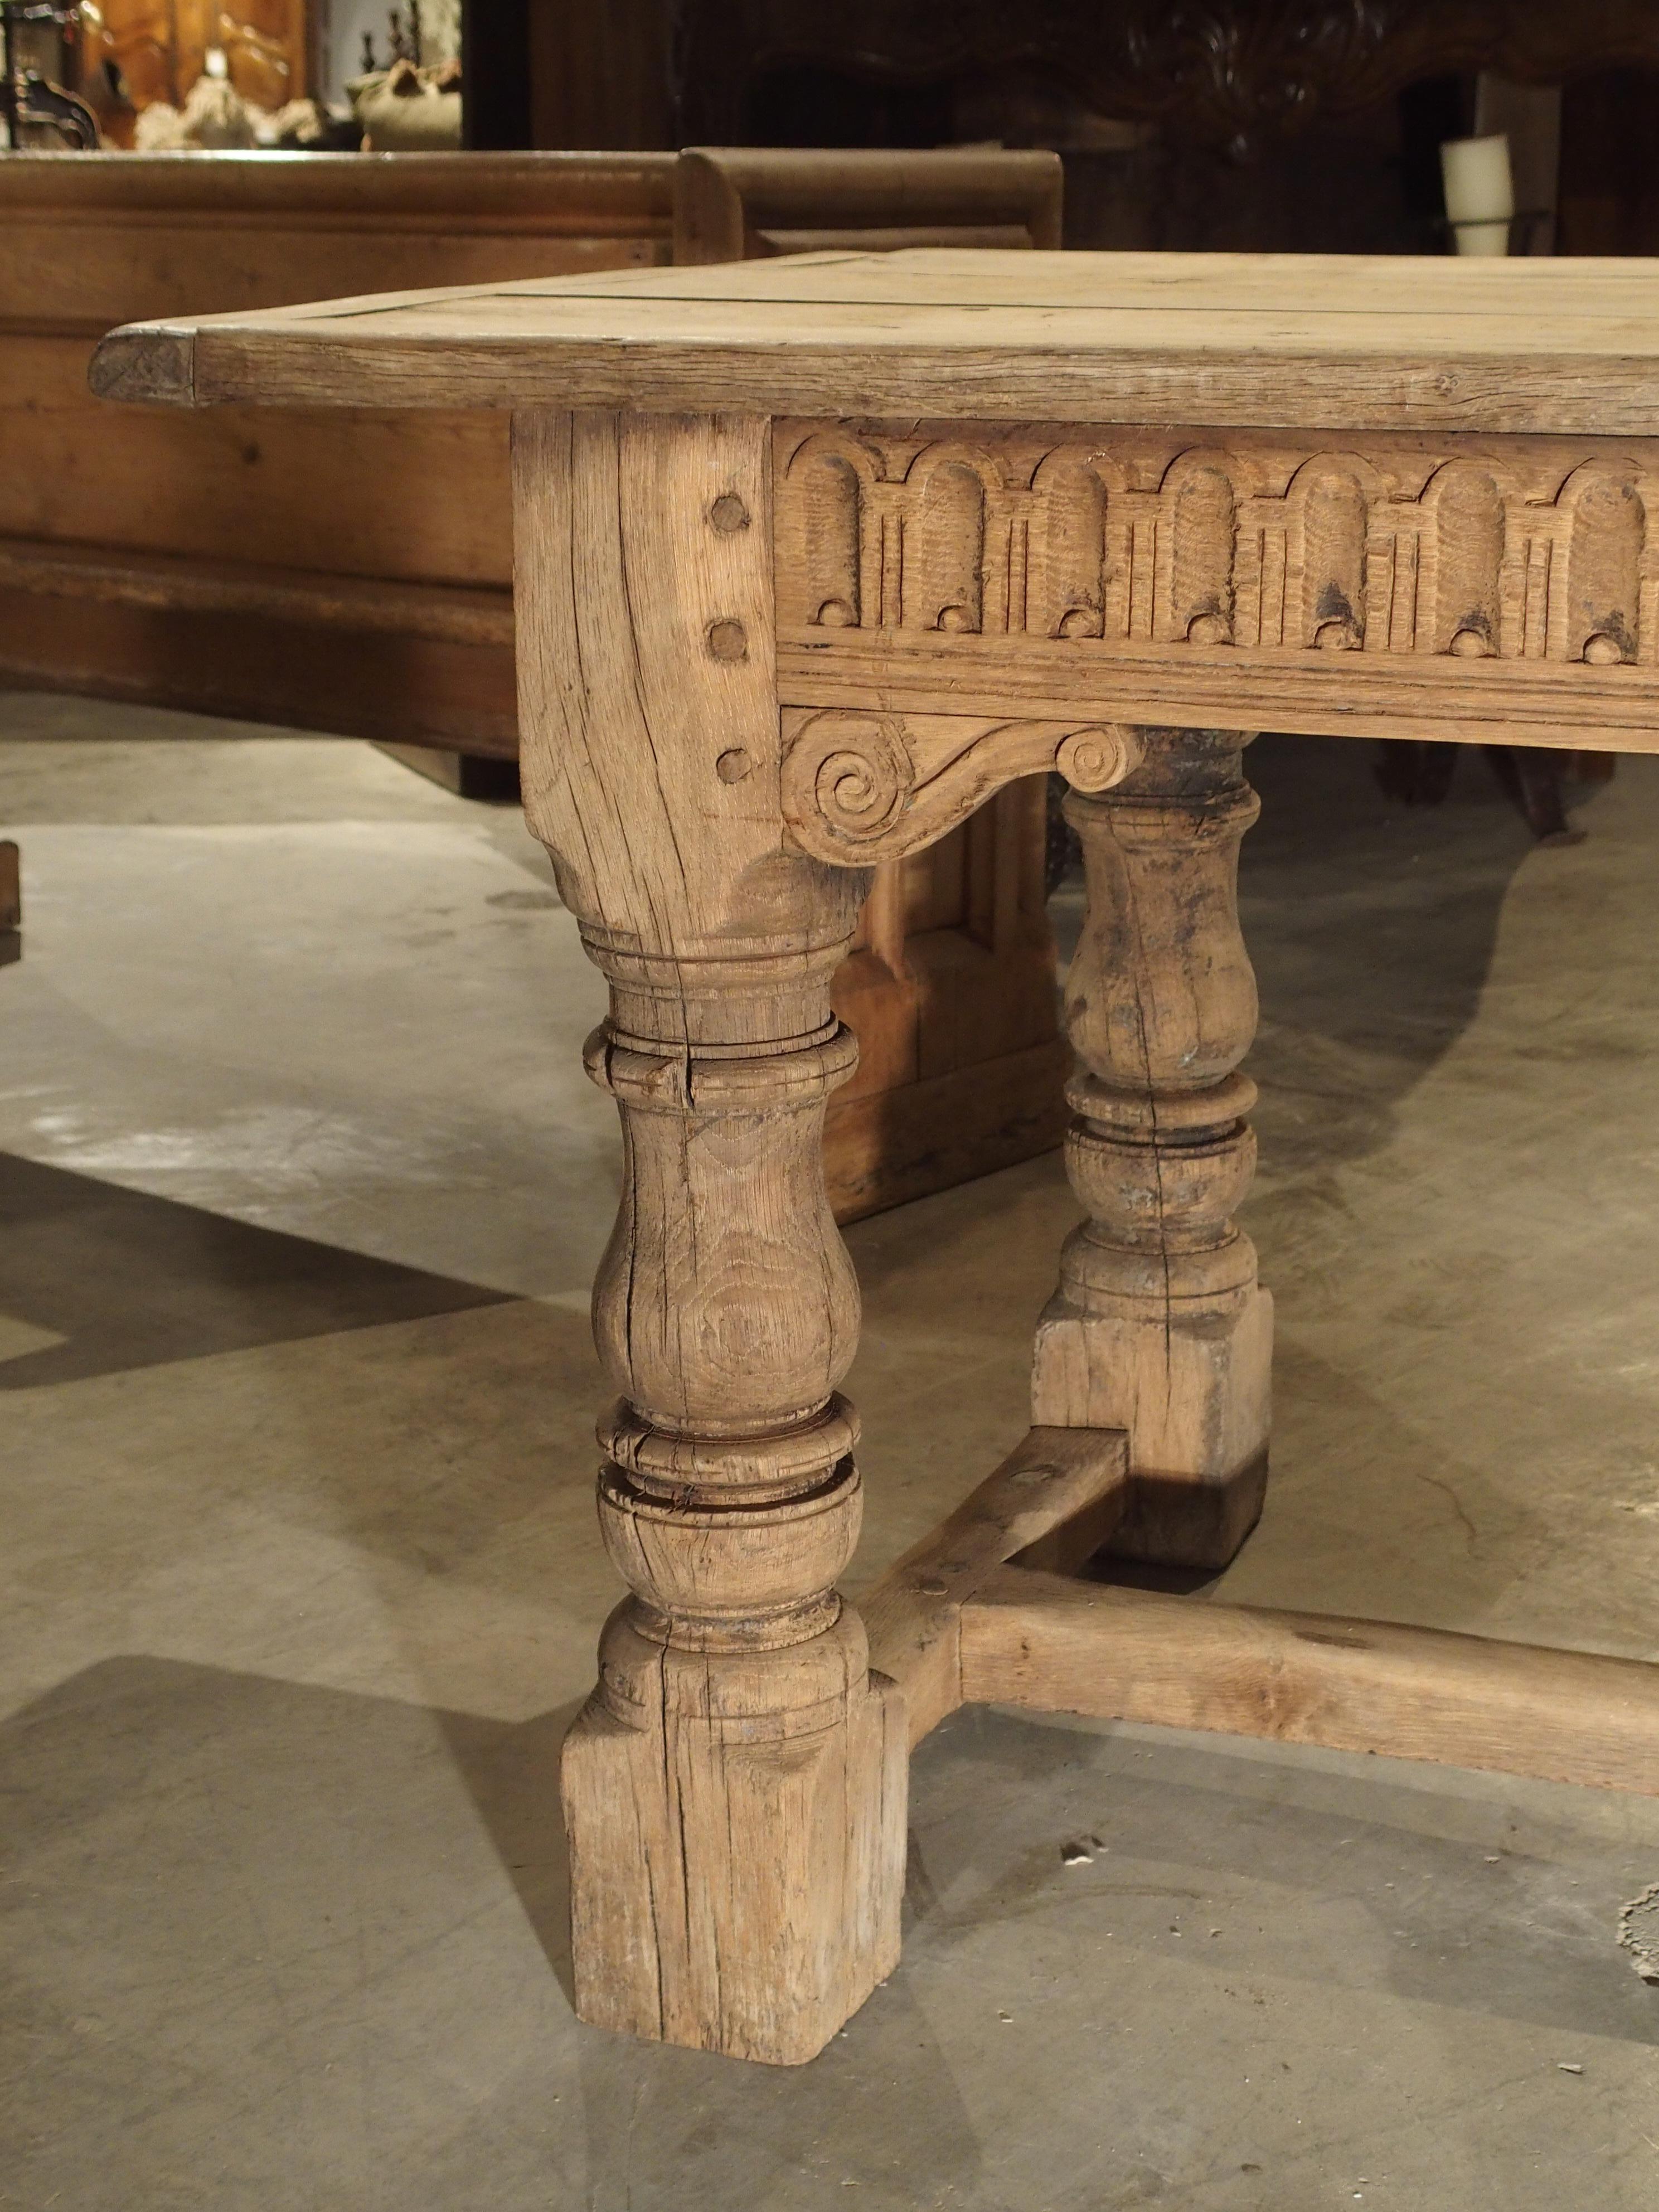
{"type": "Point", "coordinates": [161, 46]}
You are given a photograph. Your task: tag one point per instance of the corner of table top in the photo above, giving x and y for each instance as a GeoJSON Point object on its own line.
{"type": "Point", "coordinates": [146, 362]}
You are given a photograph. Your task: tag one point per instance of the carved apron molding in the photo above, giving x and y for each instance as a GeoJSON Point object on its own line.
{"type": "Point", "coordinates": [1132, 570]}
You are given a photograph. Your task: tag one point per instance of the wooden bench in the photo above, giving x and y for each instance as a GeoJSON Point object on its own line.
{"type": "Point", "coordinates": [281, 564]}
{"type": "Point", "coordinates": [353, 573]}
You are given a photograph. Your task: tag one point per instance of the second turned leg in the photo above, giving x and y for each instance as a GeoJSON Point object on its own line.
{"type": "Point", "coordinates": [1160, 1327]}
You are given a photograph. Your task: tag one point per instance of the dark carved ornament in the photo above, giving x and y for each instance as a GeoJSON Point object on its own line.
{"type": "Point", "coordinates": [1239, 71]}
{"type": "Point", "coordinates": [1222, 71]}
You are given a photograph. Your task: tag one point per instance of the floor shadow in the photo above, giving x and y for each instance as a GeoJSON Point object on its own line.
{"type": "Point", "coordinates": [126, 1280]}
{"type": "Point", "coordinates": [1372, 927]}
{"type": "Point", "coordinates": [260, 1920]}
{"type": "Point", "coordinates": [259, 1950]}
{"type": "Point", "coordinates": [511, 1770]}
{"type": "Point", "coordinates": [268, 1943]}
{"type": "Point", "coordinates": [998, 1790]}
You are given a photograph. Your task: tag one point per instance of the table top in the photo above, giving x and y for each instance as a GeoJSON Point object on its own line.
{"type": "Point", "coordinates": [1274, 340]}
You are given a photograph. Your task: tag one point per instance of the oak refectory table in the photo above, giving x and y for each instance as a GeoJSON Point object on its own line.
{"type": "Point", "coordinates": [813, 556]}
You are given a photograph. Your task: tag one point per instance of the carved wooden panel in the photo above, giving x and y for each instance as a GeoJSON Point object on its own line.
{"type": "Point", "coordinates": [860, 789]}
{"type": "Point", "coordinates": [1528, 551]}
{"type": "Point", "coordinates": [968, 564]}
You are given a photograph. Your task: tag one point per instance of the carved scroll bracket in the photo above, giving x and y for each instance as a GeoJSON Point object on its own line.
{"type": "Point", "coordinates": [863, 787]}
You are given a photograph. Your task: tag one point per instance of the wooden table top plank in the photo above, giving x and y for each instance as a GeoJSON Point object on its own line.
{"type": "Point", "coordinates": [1288, 340]}
{"type": "Point", "coordinates": [1472, 292]}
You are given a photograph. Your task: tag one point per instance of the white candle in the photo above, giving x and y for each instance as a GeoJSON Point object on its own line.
{"type": "Point", "coordinates": [1479, 192]}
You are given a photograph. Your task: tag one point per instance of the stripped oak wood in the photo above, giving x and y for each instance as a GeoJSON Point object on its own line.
{"type": "Point", "coordinates": [1295, 340]}
{"type": "Point", "coordinates": [1160, 1327]}
{"type": "Point", "coordinates": [1053, 1502]}
{"type": "Point", "coordinates": [124, 540]}
{"type": "Point", "coordinates": [735, 1787]}
{"type": "Point", "coordinates": [1324, 582]}
{"type": "Point", "coordinates": [1395, 512]}
{"type": "Point", "coordinates": [1062, 1646]}
{"type": "Point", "coordinates": [734, 1791]}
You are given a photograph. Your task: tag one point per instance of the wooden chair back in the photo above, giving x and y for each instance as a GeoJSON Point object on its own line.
{"type": "Point", "coordinates": [745, 203]}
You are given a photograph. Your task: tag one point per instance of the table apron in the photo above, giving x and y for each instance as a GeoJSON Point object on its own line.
{"type": "Point", "coordinates": [1307, 692]}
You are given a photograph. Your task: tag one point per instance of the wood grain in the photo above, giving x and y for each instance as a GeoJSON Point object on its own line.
{"type": "Point", "coordinates": [736, 203]}
{"type": "Point", "coordinates": [920, 551]}
{"type": "Point", "coordinates": [926, 1132]}
{"type": "Point", "coordinates": [734, 1792]}
{"type": "Point", "coordinates": [1160, 1327]}
{"type": "Point", "coordinates": [859, 789]}
{"type": "Point", "coordinates": [159, 234]}
{"type": "Point", "coordinates": [453, 615]}
{"type": "Point", "coordinates": [169, 534]}
{"type": "Point", "coordinates": [388, 684]}
{"type": "Point", "coordinates": [1061, 1646]}
{"type": "Point", "coordinates": [161, 46]}
{"type": "Point", "coordinates": [1054, 1502]}
{"type": "Point", "coordinates": [1501, 589]}
{"type": "Point", "coordinates": [11, 902]}
{"type": "Point", "coordinates": [1438, 699]}
{"type": "Point", "coordinates": [1228, 341]}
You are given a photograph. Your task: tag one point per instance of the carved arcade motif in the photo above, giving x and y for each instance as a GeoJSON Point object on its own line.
{"type": "Point", "coordinates": [749, 657]}
{"type": "Point", "coordinates": [1535, 552]}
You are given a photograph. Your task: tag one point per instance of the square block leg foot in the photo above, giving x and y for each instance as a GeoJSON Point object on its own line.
{"type": "Point", "coordinates": [1194, 1397]}
{"type": "Point", "coordinates": [737, 1861]}
{"type": "Point", "coordinates": [1172, 1521]}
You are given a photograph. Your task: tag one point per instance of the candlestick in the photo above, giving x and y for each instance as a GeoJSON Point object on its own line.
{"type": "Point", "coordinates": [1479, 192]}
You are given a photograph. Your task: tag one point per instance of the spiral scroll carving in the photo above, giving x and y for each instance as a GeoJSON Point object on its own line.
{"type": "Point", "coordinates": [859, 788]}
{"type": "Point", "coordinates": [1092, 760]}
{"type": "Point", "coordinates": [859, 773]}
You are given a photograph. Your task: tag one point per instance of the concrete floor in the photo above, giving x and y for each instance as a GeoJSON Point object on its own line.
{"type": "Point", "coordinates": [302, 1187]}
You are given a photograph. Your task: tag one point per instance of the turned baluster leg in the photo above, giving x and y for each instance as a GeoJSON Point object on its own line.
{"type": "Point", "coordinates": [1160, 1327]}
{"type": "Point", "coordinates": [734, 1791]}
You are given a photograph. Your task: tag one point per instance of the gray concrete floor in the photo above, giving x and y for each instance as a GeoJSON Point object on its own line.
{"type": "Point", "coordinates": [302, 1187]}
